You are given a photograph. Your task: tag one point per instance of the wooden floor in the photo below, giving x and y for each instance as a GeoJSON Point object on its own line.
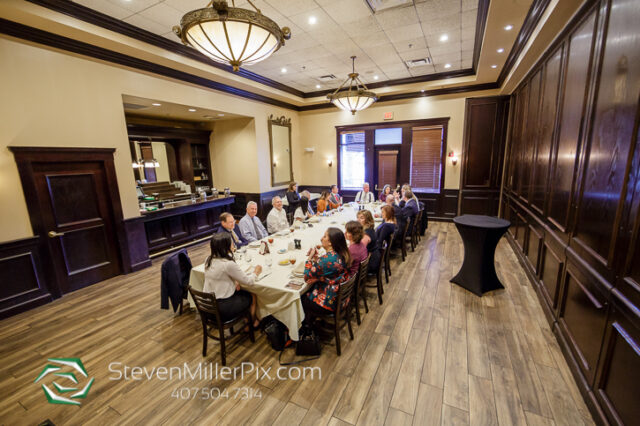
{"type": "Point", "coordinates": [433, 353]}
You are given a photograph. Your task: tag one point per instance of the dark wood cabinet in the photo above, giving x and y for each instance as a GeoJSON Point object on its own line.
{"type": "Point", "coordinates": [482, 154]}
{"type": "Point", "coordinates": [572, 193]}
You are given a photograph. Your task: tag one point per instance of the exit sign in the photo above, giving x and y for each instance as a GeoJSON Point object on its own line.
{"type": "Point", "coordinates": [388, 115]}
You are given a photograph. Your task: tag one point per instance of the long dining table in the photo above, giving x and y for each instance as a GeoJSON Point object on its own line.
{"type": "Point", "coordinates": [273, 297]}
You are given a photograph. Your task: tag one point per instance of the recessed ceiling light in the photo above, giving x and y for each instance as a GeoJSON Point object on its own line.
{"type": "Point", "coordinates": [312, 20]}
{"type": "Point", "coordinates": [494, 66]}
{"type": "Point", "coordinates": [192, 110]}
{"type": "Point", "coordinates": [156, 104]}
{"type": "Point", "coordinates": [444, 37]}
{"type": "Point", "coordinates": [500, 50]}
{"type": "Point", "coordinates": [447, 65]}
{"type": "Point", "coordinates": [220, 115]}
{"type": "Point", "coordinates": [318, 86]}
{"type": "Point", "coordinates": [508, 27]}
{"type": "Point", "coordinates": [207, 116]}
{"type": "Point", "coordinates": [375, 77]}
{"type": "Point", "coordinates": [422, 90]}
{"type": "Point", "coordinates": [283, 70]}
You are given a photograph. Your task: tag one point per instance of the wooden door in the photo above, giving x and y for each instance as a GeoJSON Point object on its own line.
{"type": "Point", "coordinates": [387, 168]}
{"type": "Point", "coordinates": [71, 205]}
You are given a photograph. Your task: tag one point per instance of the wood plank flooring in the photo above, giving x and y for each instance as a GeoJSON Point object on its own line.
{"type": "Point", "coordinates": [433, 353]}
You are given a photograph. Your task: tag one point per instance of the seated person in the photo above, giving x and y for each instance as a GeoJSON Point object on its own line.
{"type": "Point", "coordinates": [304, 210]}
{"type": "Point", "coordinates": [323, 202]}
{"type": "Point", "coordinates": [386, 190]}
{"type": "Point", "coordinates": [408, 211]}
{"type": "Point", "coordinates": [223, 277]}
{"type": "Point", "coordinates": [228, 225]}
{"type": "Point", "coordinates": [358, 250]}
{"type": "Point", "coordinates": [325, 274]}
{"type": "Point", "coordinates": [364, 196]}
{"type": "Point", "coordinates": [335, 199]}
{"type": "Point", "coordinates": [366, 220]}
{"type": "Point", "coordinates": [250, 226]}
{"type": "Point", "coordinates": [406, 187]}
{"type": "Point", "coordinates": [383, 233]}
{"type": "Point", "coordinates": [391, 201]}
{"type": "Point", "coordinates": [277, 217]}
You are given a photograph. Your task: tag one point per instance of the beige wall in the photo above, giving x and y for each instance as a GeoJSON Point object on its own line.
{"type": "Point", "coordinates": [234, 158]}
{"type": "Point", "coordinates": [318, 132]}
{"type": "Point", "coordinates": [55, 99]}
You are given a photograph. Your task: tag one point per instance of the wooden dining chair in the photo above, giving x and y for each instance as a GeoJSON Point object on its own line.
{"type": "Point", "coordinates": [207, 306]}
{"type": "Point", "coordinates": [360, 291]}
{"type": "Point", "coordinates": [342, 315]}
{"type": "Point", "coordinates": [385, 256]}
{"type": "Point", "coordinates": [403, 240]}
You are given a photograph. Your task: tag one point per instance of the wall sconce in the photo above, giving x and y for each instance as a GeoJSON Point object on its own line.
{"type": "Point", "coordinates": [275, 164]}
{"type": "Point", "coordinates": [330, 162]}
{"type": "Point", "coordinates": [454, 158]}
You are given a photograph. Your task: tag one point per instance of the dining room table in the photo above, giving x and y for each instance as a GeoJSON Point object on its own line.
{"type": "Point", "coordinates": [284, 265]}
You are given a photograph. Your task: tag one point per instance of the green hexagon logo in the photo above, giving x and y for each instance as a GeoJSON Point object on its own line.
{"type": "Point", "coordinates": [72, 391]}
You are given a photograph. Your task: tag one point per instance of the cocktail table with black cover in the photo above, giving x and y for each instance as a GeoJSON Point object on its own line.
{"type": "Point", "coordinates": [480, 236]}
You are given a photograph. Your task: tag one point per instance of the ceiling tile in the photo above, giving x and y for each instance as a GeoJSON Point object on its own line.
{"type": "Point", "coordinates": [448, 58]}
{"type": "Point", "coordinates": [370, 40]}
{"type": "Point", "coordinates": [408, 32]}
{"type": "Point", "coordinates": [469, 5]}
{"type": "Point", "coordinates": [106, 7]}
{"type": "Point", "coordinates": [146, 24]}
{"type": "Point", "coordinates": [439, 67]}
{"type": "Point", "coordinates": [408, 45]}
{"type": "Point", "coordinates": [394, 18]}
{"type": "Point", "coordinates": [362, 26]}
{"type": "Point", "coordinates": [466, 63]}
{"type": "Point", "coordinates": [163, 14]}
{"type": "Point", "coordinates": [185, 6]}
{"type": "Point", "coordinates": [423, 70]}
{"type": "Point", "coordinates": [347, 11]}
{"type": "Point", "coordinates": [289, 7]}
{"type": "Point", "coordinates": [322, 19]}
{"type": "Point", "coordinates": [135, 6]}
{"type": "Point", "coordinates": [432, 10]}
{"type": "Point", "coordinates": [469, 18]}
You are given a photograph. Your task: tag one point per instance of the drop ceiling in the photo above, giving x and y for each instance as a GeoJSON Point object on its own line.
{"type": "Point", "coordinates": [325, 33]}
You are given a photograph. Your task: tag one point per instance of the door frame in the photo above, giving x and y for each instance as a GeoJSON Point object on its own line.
{"type": "Point", "coordinates": [25, 157]}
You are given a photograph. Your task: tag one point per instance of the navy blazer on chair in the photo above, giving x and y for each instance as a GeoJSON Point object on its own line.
{"type": "Point", "coordinates": [175, 273]}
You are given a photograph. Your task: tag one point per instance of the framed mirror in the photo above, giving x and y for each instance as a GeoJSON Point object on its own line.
{"type": "Point", "coordinates": [280, 148]}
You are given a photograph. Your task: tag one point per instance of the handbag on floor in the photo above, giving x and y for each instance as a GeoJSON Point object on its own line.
{"type": "Point", "coordinates": [277, 333]}
{"type": "Point", "coordinates": [309, 343]}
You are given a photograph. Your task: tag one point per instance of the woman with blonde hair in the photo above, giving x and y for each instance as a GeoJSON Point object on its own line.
{"type": "Point", "coordinates": [366, 220]}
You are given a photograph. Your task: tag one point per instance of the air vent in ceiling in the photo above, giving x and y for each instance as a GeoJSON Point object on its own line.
{"type": "Point", "coordinates": [418, 62]}
{"type": "Point", "coordinates": [328, 77]}
{"type": "Point", "coordinates": [134, 106]}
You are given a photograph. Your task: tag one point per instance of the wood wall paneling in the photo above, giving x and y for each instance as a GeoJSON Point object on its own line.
{"type": "Point", "coordinates": [572, 193]}
{"type": "Point", "coordinates": [482, 154]}
{"type": "Point", "coordinates": [22, 283]}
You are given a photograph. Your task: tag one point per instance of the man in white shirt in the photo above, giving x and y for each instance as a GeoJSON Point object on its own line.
{"type": "Point", "coordinates": [250, 226]}
{"type": "Point", "coordinates": [277, 217]}
{"type": "Point", "coordinates": [365, 196]}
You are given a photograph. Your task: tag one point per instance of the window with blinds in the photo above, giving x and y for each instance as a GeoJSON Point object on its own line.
{"type": "Point", "coordinates": [426, 158]}
{"type": "Point", "coordinates": [351, 160]}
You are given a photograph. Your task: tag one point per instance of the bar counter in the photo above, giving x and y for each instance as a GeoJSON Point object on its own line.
{"type": "Point", "coordinates": [171, 227]}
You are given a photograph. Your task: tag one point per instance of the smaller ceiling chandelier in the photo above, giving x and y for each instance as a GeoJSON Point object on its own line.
{"type": "Point", "coordinates": [231, 35]}
{"type": "Point", "coordinates": [356, 96]}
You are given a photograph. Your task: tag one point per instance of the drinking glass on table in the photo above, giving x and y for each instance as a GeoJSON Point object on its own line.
{"type": "Point", "coordinates": [268, 260]}
{"type": "Point", "coordinates": [248, 256]}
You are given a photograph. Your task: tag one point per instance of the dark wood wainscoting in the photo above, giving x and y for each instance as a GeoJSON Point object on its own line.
{"type": "Point", "coordinates": [572, 193]}
{"type": "Point", "coordinates": [485, 131]}
{"type": "Point", "coordinates": [22, 283]}
{"type": "Point", "coordinates": [163, 229]}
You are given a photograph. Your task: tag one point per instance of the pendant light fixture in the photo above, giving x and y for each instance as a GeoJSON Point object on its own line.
{"type": "Point", "coordinates": [355, 96]}
{"type": "Point", "coordinates": [231, 35]}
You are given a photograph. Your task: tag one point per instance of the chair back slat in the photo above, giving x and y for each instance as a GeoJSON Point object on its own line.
{"type": "Point", "coordinates": [344, 292]}
{"type": "Point", "coordinates": [205, 302]}
{"type": "Point", "coordinates": [362, 270]}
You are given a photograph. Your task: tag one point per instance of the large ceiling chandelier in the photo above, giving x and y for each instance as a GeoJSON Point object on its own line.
{"type": "Point", "coordinates": [231, 35]}
{"type": "Point", "coordinates": [355, 96]}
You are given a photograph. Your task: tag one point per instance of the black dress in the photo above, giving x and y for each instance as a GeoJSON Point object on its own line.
{"type": "Point", "coordinates": [383, 233]}
{"type": "Point", "coordinates": [372, 234]}
{"type": "Point", "coordinates": [293, 198]}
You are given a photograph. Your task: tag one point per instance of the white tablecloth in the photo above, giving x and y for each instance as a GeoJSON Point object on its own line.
{"type": "Point", "coordinates": [272, 296]}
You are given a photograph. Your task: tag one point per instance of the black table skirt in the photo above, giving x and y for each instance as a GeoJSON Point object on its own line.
{"type": "Point", "coordinates": [480, 236]}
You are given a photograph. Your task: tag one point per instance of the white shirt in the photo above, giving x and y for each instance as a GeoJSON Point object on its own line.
{"type": "Point", "coordinates": [220, 277]}
{"type": "Point", "coordinates": [365, 197]}
{"type": "Point", "coordinates": [277, 220]}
